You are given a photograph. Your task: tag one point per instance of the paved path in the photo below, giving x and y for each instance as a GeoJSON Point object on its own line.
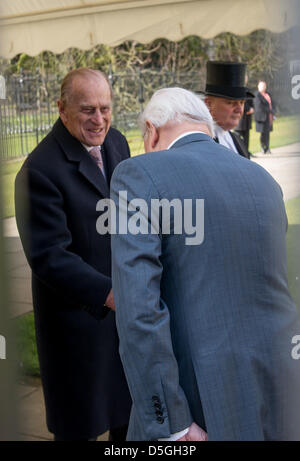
{"type": "Point", "coordinates": [19, 274]}
{"type": "Point", "coordinates": [283, 165]}
{"type": "Point", "coordinates": [32, 414]}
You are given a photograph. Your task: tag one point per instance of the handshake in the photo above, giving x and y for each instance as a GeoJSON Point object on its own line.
{"type": "Point", "coordinates": [110, 302]}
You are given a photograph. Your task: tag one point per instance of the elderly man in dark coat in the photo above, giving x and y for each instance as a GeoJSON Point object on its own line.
{"type": "Point", "coordinates": [245, 124]}
{"type": "Point", "coordinates": [57, 191]}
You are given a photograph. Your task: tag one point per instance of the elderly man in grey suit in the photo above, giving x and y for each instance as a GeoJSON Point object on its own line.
{"type": "Point", "coordinates": [203, 310]}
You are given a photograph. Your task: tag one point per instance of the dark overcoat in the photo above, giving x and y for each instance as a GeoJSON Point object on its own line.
{"type": "Point", "coordinates": [262, 112]}
{"type": "Point", "coordinates": [57, 190]}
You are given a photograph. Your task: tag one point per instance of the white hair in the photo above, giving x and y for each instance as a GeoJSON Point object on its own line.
{"type": "Point", "coordinates": [176, 105]}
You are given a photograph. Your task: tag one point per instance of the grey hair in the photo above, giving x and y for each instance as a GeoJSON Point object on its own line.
{"type": "Point", "coordinates": [66, 85]}
{"type": "Point", "coordinates": [176, 105]}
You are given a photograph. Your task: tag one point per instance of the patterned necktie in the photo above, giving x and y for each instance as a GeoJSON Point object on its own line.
{"type": "Point", "coordinates": [95, 153]}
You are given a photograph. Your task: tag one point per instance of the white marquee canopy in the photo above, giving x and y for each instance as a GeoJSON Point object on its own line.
{"type": "Point", "coordinates": [32, 26]}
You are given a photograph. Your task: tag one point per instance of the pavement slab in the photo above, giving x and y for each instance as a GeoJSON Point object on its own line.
{"type": "Point", "coordinates": [19, 309]}
{"type": "Point", "coordinates": [32, 415]}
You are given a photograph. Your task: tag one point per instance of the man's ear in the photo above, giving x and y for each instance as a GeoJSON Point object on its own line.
{"type": "Point", "coordinates": [61, 110]}
{"type": "Point", "coordinates": [152, 136]}
{"type": "Point", "coordinates": [155, 137]}
{"type": "Point", "coordinates": [207, 101]}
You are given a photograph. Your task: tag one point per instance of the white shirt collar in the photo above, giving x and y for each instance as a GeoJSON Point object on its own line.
{"type": "Point", "coordinates": [183, 135]}
{"type": "Point", "coordinates": [225, 138]}
{"type": "Point", "coordinates": [219, 130]}
{"type": "Point", "coordinates": [88, 148]}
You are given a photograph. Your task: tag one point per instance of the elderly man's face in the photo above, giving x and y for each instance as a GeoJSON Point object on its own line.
{"type": "Point", "coordinates": [147, 141]}
{"type": "Point", "coordinates": [226, 112]}
{"type": "Point", "coordinates": [88, 110]}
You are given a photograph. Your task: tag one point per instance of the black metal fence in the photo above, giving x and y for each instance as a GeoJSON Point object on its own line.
{"type": "Point", "coordinates": [27, 113]}
{"type": "Point", "coordinates": [29, 110]}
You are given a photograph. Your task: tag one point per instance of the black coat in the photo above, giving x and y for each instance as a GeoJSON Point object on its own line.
{"type": "Point", "coordinates": [262, 112]}
{"type": "Point", "coordinates": [239, 144]}
{"type": "Point", "coordinates": [246, 120]}
{"type": "Point", "coordinates": [57, 190]}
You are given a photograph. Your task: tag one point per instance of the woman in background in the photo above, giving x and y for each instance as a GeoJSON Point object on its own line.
{"type": "Point", "coordinates": [264, 115]}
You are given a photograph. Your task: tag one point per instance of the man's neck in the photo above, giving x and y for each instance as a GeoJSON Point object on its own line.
{"type": "Point", "coordinates": [219, 129]}
{"type": "Point", "coordinates": [187, 133]}
{"type": "Point", "coordinates": [172, 131]}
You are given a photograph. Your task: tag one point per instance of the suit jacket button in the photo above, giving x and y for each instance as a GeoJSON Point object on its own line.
{"type": "Point", "coordinates": [160, 420]}
{"type": "Point", "coordinates": [157, 405]}
{"type": "Point", "coordinates": [159, 413]}
{"type": "Point", "coordinates": [155, 398]}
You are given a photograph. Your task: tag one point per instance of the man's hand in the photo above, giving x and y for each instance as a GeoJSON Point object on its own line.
{"type": "Point", "coordinates": [195, 434]}
{"type": "Point", "coordinates": [110, 302]}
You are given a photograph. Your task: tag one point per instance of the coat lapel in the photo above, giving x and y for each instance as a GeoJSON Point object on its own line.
{"type": "Point", "coordinates": [111, 156]}
{"type": "Point", "coordinates": [241, 148]}
{"type": "Point", "coordinates": [89, 169]}
{"type": "Point", "coordinates": [75, 152]}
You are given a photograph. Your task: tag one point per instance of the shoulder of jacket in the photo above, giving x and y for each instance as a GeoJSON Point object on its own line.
{"type": "Point", "coordinates": [116, 134]}
{"type": "Point", "coordinates": [44, 156]}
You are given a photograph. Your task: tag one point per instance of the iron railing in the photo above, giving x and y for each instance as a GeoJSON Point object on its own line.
{"type": "Point", "coordinates": [30, 109]}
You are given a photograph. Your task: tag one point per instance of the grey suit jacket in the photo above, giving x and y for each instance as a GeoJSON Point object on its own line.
{"type": "Point", "coordinates": [205, 330]}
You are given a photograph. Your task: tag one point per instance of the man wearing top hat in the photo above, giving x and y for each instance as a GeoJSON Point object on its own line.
{"type": "Point", "coordinates": [225, 96]}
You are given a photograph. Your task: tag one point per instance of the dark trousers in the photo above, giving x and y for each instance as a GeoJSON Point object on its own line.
{"type": "Point", "coordinates": [265, 140]}
{"type": "Point", "coordinates": [115, 435]}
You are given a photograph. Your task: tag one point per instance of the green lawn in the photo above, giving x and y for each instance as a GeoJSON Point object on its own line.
{"type": "Point", "coordinates": [293, 248]}
{"type": "Point", "coordinates": [286, 130]}
{"type": "Point", "coordinates": [17, 145]}
{"type": "Point", "coordinates": [26, 346]}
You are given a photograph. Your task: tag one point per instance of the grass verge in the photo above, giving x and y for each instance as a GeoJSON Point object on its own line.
{"type": "Point", "coordinates": [286, 130]}
{"type": "Point", "coordinates": [293, 248]}
{"type": "Point", "coordinates": [26, 346]}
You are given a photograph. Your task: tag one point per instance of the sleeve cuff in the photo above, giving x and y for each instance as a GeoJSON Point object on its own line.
{"type": "Point", "coordinates": [175, 436]}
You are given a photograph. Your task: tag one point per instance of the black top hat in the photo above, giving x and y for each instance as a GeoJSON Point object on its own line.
{"type": "Point", "coordinates": [226, 80]}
